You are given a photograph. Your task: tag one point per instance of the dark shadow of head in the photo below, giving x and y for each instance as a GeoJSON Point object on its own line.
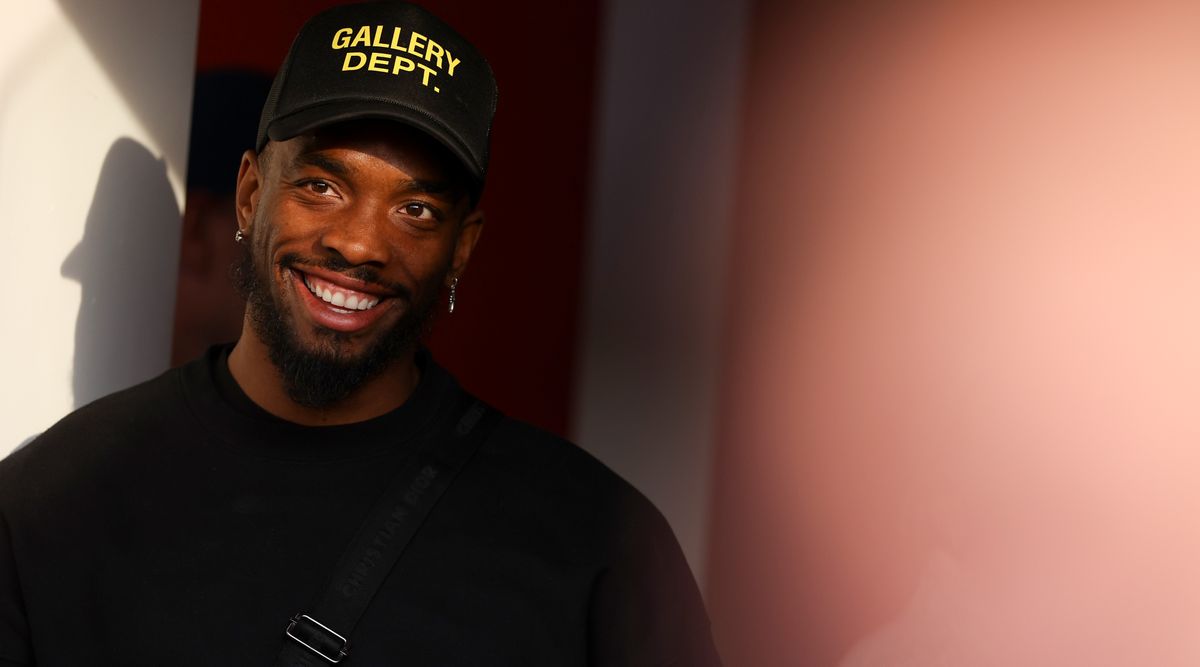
{"type": "Point", "coordinates": [125, 264]}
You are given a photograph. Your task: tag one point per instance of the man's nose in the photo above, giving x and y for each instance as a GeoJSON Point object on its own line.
{"type": "Point", "coordinates": [359, 236]}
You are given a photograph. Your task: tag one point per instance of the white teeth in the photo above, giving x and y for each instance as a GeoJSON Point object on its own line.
{"type": "Point", "coordinates": [340, 299]}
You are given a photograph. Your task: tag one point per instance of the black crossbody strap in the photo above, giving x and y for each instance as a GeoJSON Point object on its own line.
{"type": "Point", "coordinates": [320, 636]}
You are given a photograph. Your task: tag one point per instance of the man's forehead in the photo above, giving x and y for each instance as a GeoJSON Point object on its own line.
{"type": "Point", "coordinates": [341, 150]}
{"type": "Point", "coordinates": [390, 140]}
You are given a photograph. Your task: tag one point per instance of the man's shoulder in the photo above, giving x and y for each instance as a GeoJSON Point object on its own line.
{"type": "Point", "coordinates": [557, 481]}
{"type": "Point", "coordinates": [93, 430]}
{"type": "Point", "coordinates": [121, 411]}
{"type": "Point", "coordinates": [544, 459]}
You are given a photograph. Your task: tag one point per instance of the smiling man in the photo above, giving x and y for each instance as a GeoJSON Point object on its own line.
{"type": "Point", "coordinates": [353, 230]}
{"type": "Point", "coordinates": [322, 491]}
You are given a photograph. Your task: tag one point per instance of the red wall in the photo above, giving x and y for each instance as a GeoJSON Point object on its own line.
{"type": "Point", "coordinates": [512, 337]}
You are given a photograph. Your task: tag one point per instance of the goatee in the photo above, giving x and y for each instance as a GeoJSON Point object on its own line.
{"type": "Point", "coordinates": [326, 375]}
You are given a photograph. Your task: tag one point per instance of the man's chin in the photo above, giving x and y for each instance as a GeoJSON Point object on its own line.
{"type": "Point", "coordinates": [321, 367]}
{"type": "Point", "coordinates": [319, 340]}
{"type": "Point", "coordinates": [318, 366]}
{"type": "Point", "coordinates": [326, 368]}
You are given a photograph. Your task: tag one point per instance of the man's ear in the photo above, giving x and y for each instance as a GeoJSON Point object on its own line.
{"type": "Point", "coordinates": [468, 235]}
{"type": "Point", "coordinates": [249, 186]}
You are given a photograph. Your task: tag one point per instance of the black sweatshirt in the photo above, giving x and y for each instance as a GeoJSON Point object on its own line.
{"type": "Point", "coordinates": [177, 523]}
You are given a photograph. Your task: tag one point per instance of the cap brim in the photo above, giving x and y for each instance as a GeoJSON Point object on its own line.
{"type": "Point", "coordinates": [328, 113]}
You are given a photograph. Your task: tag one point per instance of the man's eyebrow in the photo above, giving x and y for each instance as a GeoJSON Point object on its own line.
{"type": "Point", "coordinates": [322, 162]}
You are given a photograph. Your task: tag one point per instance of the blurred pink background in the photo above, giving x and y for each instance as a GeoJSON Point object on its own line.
{"type": "Point", "coordinates": [958, 416]}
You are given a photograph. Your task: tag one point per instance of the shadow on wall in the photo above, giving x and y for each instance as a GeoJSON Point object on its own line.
{"type": "Point", "coordinates": [123, 332]}
{"type": "Point", "coordinates": [137, 42]}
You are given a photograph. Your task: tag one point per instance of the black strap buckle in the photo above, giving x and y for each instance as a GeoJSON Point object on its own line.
{"type": "Point", "coordinates": [318, 638]}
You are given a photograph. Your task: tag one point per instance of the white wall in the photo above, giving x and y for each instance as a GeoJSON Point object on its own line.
{"type": "Point", "coordinates": [95, 101]}
{"type": "Point", "coordinates": [664, 182]}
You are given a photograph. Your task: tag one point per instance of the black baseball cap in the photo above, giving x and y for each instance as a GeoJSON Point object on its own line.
{"type": "Point", "coordinates": [385, 60]}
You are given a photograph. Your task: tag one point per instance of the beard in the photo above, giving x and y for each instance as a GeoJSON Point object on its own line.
{"type": "Point", "coordinates": [325, 374]}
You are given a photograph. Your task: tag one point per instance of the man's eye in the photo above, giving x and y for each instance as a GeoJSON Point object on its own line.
{"type": "Point", "coordinates": [419, 211]}
{"type": "Point", "coordinates": [319, 187]}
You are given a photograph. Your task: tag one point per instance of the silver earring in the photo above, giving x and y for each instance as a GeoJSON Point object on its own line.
{"type": "Point", "coordinates": [239, 236]}
{"type": "Point", "coordinates": [453, 290]}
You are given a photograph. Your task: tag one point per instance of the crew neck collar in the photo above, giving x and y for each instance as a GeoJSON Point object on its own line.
{"type": "Point", "coordinates": [224, 409]}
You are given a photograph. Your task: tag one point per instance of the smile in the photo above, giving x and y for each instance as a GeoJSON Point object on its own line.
{"type": "Point", "coordinates": [334, 301]}
{"type": "Point", "coordinates": [339, 297]}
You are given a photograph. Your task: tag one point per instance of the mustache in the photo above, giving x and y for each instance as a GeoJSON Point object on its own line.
{"type": "Point", "coordinates": [366, 274]}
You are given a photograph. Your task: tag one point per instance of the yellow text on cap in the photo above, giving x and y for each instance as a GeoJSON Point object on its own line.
{"type": "Point", "coordinates": [418, 45]}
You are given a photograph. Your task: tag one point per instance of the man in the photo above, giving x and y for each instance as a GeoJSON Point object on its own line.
{"type": "Point", "coordinates": [322, 491]}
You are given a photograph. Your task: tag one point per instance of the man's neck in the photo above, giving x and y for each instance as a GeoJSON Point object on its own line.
{"type": "Point", "coordinates": [252, 368]}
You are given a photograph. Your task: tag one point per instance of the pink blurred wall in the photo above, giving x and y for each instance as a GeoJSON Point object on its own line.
{"type": "Point", "coordinates": [962, 348]}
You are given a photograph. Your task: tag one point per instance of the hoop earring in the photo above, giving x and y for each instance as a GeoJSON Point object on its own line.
{"type": "Point", "coordinates": [239, 236]}
{"type": "Point", "coordinates": [453, 294]}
